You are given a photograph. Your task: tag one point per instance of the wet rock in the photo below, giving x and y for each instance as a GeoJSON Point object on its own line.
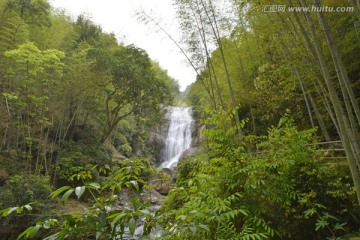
{"type": "Point", "coordinates": [153, 197]}
{"type": "Point", "coordinates": [156, 141]}
{"type": "Point", "coordinates": [157, 137]}
{"type": "Point", "coordinates": [167, 171]}
{"type": "Point", "coordinates": [164, 188]}
{"type": "Point", "coordinates": [125, 196]}
{"type": "Point", "coordinates": [164, 181]}
{"type": "Point", "coordinates": [188, 153]}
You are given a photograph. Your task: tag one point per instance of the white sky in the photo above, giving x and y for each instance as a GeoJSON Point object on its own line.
{"type": "Point", "coordinates": [118, 17]}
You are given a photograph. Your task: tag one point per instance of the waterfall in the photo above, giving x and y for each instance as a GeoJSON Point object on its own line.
{"type": "Point", "coordinates": [178, 137]}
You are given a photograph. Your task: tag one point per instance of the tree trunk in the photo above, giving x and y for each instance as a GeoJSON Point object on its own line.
{"type": "Point", "coordinates": [341, 72]}
{"type": "Point", "coordinates": [215, 29]}
{"type": "Point", "coordinates": [347, 136]}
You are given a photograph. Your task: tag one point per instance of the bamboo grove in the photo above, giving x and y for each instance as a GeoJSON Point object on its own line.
{"type": "Point", "coordinates": [260, 63]}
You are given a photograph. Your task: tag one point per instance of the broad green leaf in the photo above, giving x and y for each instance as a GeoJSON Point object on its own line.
{"type": "Point", "coordinates": [132, 226]}
{"type": "Point", "coordinates": [5, 212]}
{"type": "Point", "coordinates": [59, 191]}
{"type": "Point", "coordinates": [28, 207]}
{"type": "Point", "coordinates": [145, 212]}
{"type": "Point", "coordinates": [76, 213]}
{"type": "Point", "coordinates": [20, 210]}
{"type": "Point", "coordinates": [30, 232]}
{"type": "Point", "coordinates": [10, 210]}
{"type": "Point", "coordinates": [94, 185]}
{"type": "Point", "coordinates": [79, 191]}
{"type": "Point", "coordinates": [66, 195]}
{"type": "Point", "coordinates": [46, 225]}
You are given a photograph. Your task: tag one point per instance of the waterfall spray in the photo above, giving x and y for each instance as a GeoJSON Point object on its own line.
{"type": "Point", "coordinates": [178, 137]}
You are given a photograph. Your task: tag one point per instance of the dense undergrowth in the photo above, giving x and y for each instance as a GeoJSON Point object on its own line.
{"type": "Point", "coordinates": [278, 186]}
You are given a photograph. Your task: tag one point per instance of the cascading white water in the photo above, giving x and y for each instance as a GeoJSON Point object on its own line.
{"type": "Point", "coordinates": [178, 137]}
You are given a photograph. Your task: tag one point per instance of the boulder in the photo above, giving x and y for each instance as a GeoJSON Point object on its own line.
{"type": "Point", "coordinates": [153, 196]}
{"type": "Point", "coordinates": [164, 181]}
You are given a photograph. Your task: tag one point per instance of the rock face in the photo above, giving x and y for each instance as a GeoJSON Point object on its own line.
{"type": "Point", "coordinates": [157, 137]}
{"type": "Point", "coordinates": [188, 153]}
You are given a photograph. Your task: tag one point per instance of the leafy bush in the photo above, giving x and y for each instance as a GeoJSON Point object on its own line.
{"type": "Point", "coordinates": [105, 219]}
{"type": "Point", "coordinates": [24, 190]}
{"type": "Point", "coordinates": [283, 189]}
{"type": "Point", "coordinates": [75, 158]}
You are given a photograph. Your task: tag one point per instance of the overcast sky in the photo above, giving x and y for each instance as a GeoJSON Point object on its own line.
{"type": "Point", "coordinates": [118, 17]}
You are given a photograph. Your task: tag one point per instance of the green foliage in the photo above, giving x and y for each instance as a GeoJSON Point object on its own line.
{"type": "Point", "coordinates": [162, 75]}
{"type": "Point", "coordinates": [33, 11]}
{"type": "Point", "coordinates": [87, 31]}
{"type": "Point", "coordinates": [239, 194]}
{"type": "Point", "coordinates": [24, 199]}
{"type": "Point", "coordinates": [22, 189]}
{"type": "Point", "coordinates": [32, 63]}
{"type": "Point", "coordinates": [105, 219]}
{"type": "Point", "coordinates": [18, 210]}
{"type": "Point", "coordinates": [132, 173]}
{"type": "Point", "coordinates": [13, 32]}
{"type": "Point", "coordinates": [75, 159]}
{"type": "Point", "coordinates": [80, 91]}
{"type": "Point", "coordinates": [68, 87]}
